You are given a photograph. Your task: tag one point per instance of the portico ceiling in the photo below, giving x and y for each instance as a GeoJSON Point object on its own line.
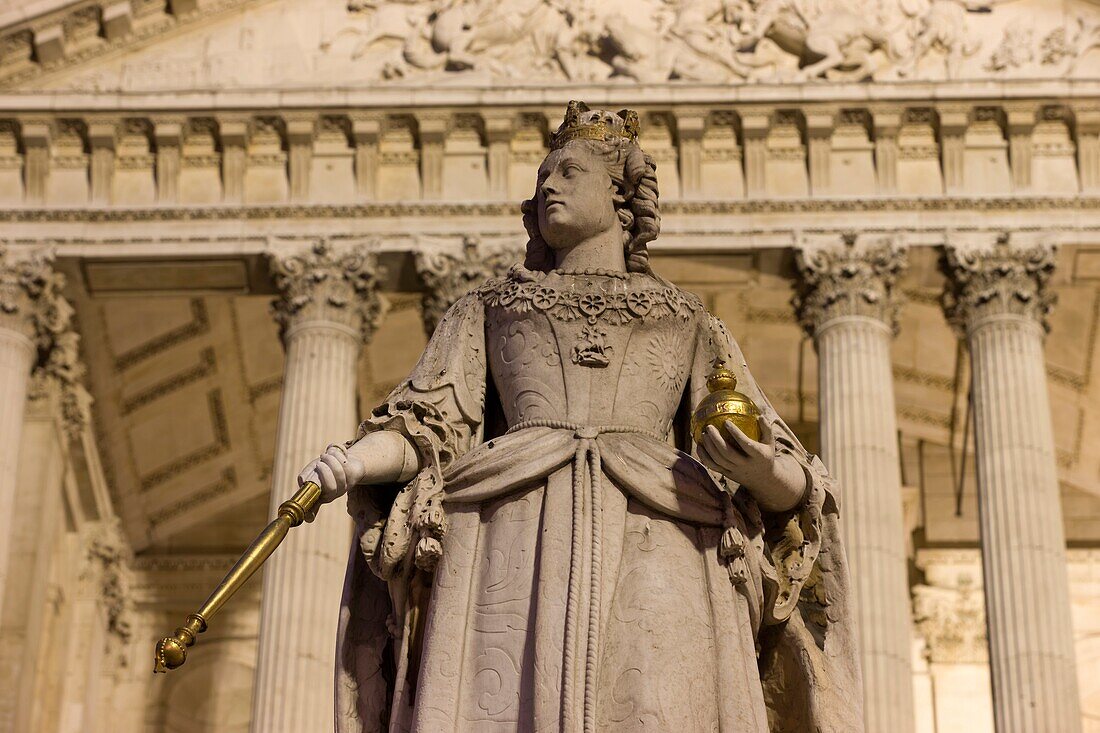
{"type": "Point", "coordinates": [187, 381]}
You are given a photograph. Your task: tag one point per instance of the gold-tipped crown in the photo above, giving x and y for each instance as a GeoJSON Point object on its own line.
{"type": "Point", "coordinates": [582, 123]}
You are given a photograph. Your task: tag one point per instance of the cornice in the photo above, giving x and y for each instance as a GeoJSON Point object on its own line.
{"type": "Point", "coordinates": [540, 97]}
{"type": "Point", "coordinates": [179, 15]}
{"type": "Point", "coordinates": [1072, 203]}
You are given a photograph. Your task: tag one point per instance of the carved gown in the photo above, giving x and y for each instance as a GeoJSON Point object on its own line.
{"type": "Point", "coordinates": [562, 562]}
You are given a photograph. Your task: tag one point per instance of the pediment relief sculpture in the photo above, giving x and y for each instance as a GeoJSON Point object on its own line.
{"type": "Point", "coordinates": [478, 43]}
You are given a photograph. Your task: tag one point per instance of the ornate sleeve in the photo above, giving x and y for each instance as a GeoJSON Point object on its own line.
{"type": "Point", "coordinates": [439, 408]}
{"type": "Point", "coordinates": [792, 539]}
{"type": "Point", "coordinates": [807, 648]}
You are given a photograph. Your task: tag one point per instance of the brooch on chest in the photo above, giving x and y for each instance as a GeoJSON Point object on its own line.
{"type": "Point", "coordinates": [615, 302]}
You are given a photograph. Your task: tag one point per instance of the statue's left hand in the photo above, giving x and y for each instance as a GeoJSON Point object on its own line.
{"type": "Point", "coordinates": [775, 479]}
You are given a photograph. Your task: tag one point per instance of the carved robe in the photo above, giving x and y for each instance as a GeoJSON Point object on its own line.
{"type": "Point", "coordinates": [562, 562]}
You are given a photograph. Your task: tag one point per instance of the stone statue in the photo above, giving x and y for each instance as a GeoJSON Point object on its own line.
{"type": "Point", "coordinates": [540, 545]}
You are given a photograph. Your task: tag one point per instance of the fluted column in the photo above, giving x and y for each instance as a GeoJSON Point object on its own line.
{"type": "Point", "coordinates": [691, 125]}
{"type": "Point", "coordinates": [32, 314]}
{"type": "Point", "coordinates": [887, 123]}
{"type": "Point", "coordinates": [36, 143]}
{"type": "Point", "coordinates": [754, 130]}
{"type": "Point", "coordinates": [998, 297]}
{"type": "Point", "coordinates": [953, 124]}
{"type": "Point", "coordinates": [447, 276]}
{"type": "Point", "coordinates": [169, 138]}
{"type": "Point", "coordinates": [328, 308]}
{"type": "Point", "coordinates": [847, 303]}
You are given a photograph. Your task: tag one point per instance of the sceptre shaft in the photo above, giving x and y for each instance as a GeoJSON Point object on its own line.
{"type": "Point", "coordinates": [171, 651]}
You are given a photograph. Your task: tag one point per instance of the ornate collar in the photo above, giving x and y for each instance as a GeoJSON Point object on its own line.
{"type": "Point", "coordinates": [616, 300]}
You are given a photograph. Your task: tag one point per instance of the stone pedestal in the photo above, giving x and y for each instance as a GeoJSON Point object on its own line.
{"type": "Point", "coordinates": [847, 304]}
{"type": "Point", "coordinates": [328, 309]}
{"type": "Point", "coordinates": [999, 299]}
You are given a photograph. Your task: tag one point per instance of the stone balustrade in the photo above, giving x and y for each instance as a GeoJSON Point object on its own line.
{"type": "Point", "coordinates": [720, 152]}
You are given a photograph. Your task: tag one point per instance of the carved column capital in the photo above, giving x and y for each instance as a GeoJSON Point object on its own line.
{"type": "Point", "coordinates": [31, 304]}
{"type": "Point", "coordinates": [108, 566]}
{"type": "Point", "coordinates": [447, 276]}
{"type": "Point", "coordinates": [329, 286]}
{"type": "Point", "coordinates": [61, 372]}
{"type": "Point", "coordinates": [30, 294]}
{"type": "Point", "coordinates": [1003, 279]}
{"type": "Point", "coordinates": [849, 278]}
{"type": "Point", "coordinates": [952, 622]}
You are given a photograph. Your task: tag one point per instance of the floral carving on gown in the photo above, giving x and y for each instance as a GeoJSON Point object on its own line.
{"type": "Point", "coordinates": [562, 562]}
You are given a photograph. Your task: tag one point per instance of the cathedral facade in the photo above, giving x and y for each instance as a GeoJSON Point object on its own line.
{"type": "Point", "coordinates": [229, 226]}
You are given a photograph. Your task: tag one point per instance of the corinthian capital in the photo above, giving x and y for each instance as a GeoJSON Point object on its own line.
{"type": "Point", "coordinates": [849, 277]}
{"type": "Point", "coordinates": [31, 304]}
{"type": "Point", "coordinates": [30, 294]}
{"type": "Point", "coordinates": [326, 285]}
{"type": "Point", "coordinates": [447, 277]}
{"type": "Point", "coordinates": [61, 372]}
{"type": "Point", "coordinates": [1006, 278]}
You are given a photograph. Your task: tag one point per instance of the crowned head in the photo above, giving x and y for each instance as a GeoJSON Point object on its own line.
{"type": "Point", "coordinates": [595, 179]}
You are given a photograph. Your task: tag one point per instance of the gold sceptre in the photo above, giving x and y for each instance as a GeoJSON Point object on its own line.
{"type": "Point", "coordinates": [171, 651]}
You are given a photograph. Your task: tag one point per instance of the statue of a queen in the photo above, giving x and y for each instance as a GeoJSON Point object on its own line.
{"type": "Point", "coordinates": [541, 544]}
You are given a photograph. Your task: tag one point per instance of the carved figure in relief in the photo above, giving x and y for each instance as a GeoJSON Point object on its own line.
{"type": "Point", "coordinates": [540, 543]}
{"type": "Point", "coordinates": [940, 26]}
{"type": "Point", "coordinates": [655, 41]}
{"type": "Point", "coordinates": [840, 40]}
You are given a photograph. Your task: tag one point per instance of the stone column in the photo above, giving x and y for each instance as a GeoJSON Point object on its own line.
{"type": "Point", "coordinates": [953, 124]}
{"type": "Point", "coordinates": [448, 276]}
{"type": "Point", "coordinates": [168, 134]}
{"type": "Point", "coordinates": [36, 162]}
{"type": "Point", "coordinates": [498, 137]}
{"type": "Point", "coordinates": [299, 137]}
{"type": "Point", "coordinates": [754, 129]}
{"type": "Point", "coordinates": [1086, 128]}
{"type": "Point", "coordinates": [328, 307]}
{"type": "Point", "coordinates": [32, 313]}
{"type": "Point", "coordinates": [819, 139]}
{"type": "Point", "coordinates": [691, 125]}
{"type": "Point", "coordinates": [887, 124]}
{"type": "Point", "coordinates": [1021, 125]}
{"type": "Point", "coordinates": [366, 130]}
{"type": "Point", "coordinates": [233, 136]}
{"type": "Point", "coordinates": [432, 128]}
{"type": "Point", "coordinates": [102, 139]}
{"type": "Point", "coordinates": [847, 303]}
{"type": "Point", "coordinates": [998, 297]}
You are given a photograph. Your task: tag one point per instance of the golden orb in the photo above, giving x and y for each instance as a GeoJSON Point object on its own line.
{"type": "Point", "coordinates": [725, 403]}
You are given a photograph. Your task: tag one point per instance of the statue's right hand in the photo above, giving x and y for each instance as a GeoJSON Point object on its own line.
{"type": "Point", "coordinates": [335, 471]}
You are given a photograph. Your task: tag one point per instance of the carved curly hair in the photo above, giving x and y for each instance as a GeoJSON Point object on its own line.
{"type": "Point", "coordinates": [635, 177]}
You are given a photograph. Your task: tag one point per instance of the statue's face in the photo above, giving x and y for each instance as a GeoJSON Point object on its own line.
{"type": "Point", "coordinates": [574, 197]}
